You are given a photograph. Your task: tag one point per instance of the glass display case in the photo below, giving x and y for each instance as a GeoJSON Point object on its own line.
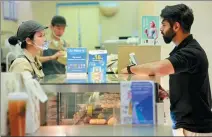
{"type": "Point", "coordinates": [84, 101]}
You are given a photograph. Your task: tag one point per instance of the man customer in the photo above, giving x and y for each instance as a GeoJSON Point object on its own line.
{"type": "Point", "coordinates": [187, 66]}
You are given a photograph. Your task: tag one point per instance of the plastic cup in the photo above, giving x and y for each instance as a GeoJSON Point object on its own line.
{"type": "Point", "coordinates": [17, 102]}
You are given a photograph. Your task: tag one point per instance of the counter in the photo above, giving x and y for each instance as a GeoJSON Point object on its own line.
{"type": "Point", "coordinates": [73, 89]}
{"type": "Point", "coordinates": [103, 131]}
{"type": "Point", "coordinates": [60, 83]}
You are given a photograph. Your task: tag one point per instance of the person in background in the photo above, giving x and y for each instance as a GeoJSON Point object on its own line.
{"type": "Point", "coordinates": [187, 66]}
{"type": "Point", "coordinates": [56, 46]}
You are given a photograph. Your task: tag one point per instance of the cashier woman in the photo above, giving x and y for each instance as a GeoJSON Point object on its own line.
{"type": "Point", "coordinates": [31, 37]}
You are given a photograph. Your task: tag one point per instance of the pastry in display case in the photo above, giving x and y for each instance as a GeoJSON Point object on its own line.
{"type": "Point", "coordinates": [95, 116]}
{"type": "Point", "coordinates": [99, 109]}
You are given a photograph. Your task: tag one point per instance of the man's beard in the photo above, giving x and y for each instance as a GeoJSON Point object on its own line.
{"type": "Point", "coordinates": [170, 34]}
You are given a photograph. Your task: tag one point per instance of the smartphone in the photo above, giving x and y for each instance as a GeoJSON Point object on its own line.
{"type": "Point", "coordinates": [133, 58]}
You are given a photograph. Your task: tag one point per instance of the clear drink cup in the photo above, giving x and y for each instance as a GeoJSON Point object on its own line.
{"type": "Point", "coordinates": [17, 104]}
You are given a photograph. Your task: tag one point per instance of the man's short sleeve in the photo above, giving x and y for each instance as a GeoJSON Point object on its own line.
{"type": "Point", "coordinates": [67, 44]}
{"type": "Point", "coordinates": [185, 60]}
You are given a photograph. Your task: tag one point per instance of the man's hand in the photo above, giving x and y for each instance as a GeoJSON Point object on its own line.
{"type": "Point", "coordinates": [162, 93]}
{"type": "Point", "coordinates": [58, 54]}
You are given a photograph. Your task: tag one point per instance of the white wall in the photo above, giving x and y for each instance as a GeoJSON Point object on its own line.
{"type": "Point", "coordinates": [24, 11]}
{"type": "Point", "coordinates": [201, 27]}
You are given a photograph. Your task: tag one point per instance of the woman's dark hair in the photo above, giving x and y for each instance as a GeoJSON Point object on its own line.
{"type": "Point", "coordinates": [13, 40]}
{"type": "Point", "coordinates": [179, 13]}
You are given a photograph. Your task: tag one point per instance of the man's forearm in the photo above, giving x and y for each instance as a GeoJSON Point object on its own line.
{"type": "Point", "coordinates": [46, 58]}
{"type": "Point", "coordinates": [160, 68]}
{"type": "Point", "coordinates": [144, 69]}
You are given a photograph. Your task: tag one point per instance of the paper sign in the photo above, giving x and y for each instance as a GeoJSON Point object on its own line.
{"type": "Point", "coordinates": [76, 61]}
{"type": "Point", "coordinates": [137, 102]}
{"type": "Point", "coordinates": [150, 29]}
{"type": "Point", "coordinates": [126, 103]}
{"type": "Point", "coordinates": [97, 66]}
{"type": "Point", "coordinates": [143, 101]}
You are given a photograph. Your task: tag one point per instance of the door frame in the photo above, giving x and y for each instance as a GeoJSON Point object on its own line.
{"type": "Point", "coordinates": [73, 4]}
{"type": "Point", "coordinates": [65, 4]}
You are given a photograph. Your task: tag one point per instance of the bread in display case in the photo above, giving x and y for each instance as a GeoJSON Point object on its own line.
{"type": "Point", "coordinates": [100, 109]}
{"type": "Point", "coordinates": [89, 109]}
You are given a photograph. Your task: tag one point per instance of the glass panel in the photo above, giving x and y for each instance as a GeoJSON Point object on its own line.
{"type": "Point", "coordinates": [111, 79]}
{"type": "Point", "coordinates": [78, 109]}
